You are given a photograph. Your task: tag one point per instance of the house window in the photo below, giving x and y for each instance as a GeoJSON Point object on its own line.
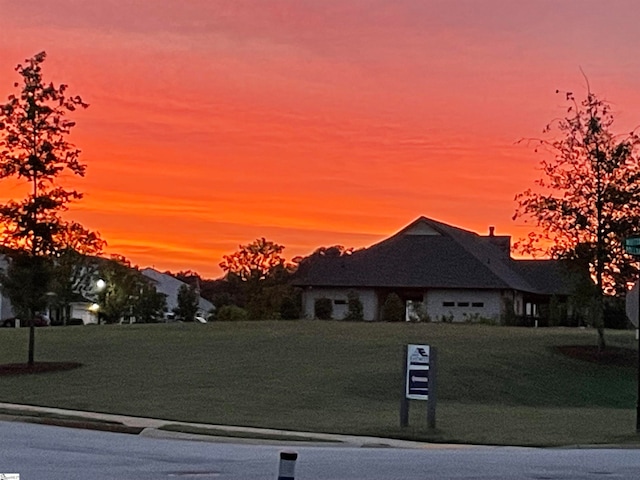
{"type": "Point", "coordinates": [448, 304]}
{"type": "Point", "coordinates": [531, 309]}
{"type": "Point", "coordinates": [340, 302]}
{"type": "Point", "coordinates": [463, 304]}
{"type": "Point", "coordinates": [477, 304]}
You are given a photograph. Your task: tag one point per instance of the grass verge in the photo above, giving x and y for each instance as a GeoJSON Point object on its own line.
{"type": "Point", "coordinates": [71, 421]}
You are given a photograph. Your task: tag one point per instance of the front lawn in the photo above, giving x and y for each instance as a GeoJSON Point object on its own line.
{"type": "Point", "coordinates": [496, 384]}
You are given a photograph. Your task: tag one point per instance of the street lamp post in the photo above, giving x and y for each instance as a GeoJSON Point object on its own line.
{"type": "Point", "coordinates": [100, 286]}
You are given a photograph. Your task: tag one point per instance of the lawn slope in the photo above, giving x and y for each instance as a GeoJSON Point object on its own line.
{"type": "Point", "coordinates": [497, 385]}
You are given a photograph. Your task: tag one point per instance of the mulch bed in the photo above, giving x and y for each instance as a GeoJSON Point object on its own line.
{"type": "Point", "coordinates": [37, 367]}
{"type": "Point", "coordinates": [612, 356]}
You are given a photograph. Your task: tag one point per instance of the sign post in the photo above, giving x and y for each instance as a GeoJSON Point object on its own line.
{"type": "Point", "coordinates": [632, 247]}
{"type": "Point", "coordinates": [419, 371]}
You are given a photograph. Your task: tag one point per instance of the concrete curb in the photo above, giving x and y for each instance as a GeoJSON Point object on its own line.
{"type": "Point", "coordinates": [151, 428]}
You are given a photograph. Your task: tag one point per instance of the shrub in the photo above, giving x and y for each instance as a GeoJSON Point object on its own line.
{"type": "Point", "coordinates": [231, 313]}
{"type": "Point", "coordinates": [355, 310]}
{"type": "Point", "coordinates": [447, 318]}
{"type": "Point", "coordinates": [323, 308]}
{"type": "Point", "coordinates": [289, 309]}
{"type": "Point", "coordinates": [393, 309]}
{"type": "Point", "coordinates": [508, 316]}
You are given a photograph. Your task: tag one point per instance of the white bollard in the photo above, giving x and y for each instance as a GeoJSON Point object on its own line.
{"type": "Point", "coordinates": [286, 470]}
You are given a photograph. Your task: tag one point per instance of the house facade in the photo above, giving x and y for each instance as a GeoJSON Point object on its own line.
{"type": "Point", "coordinates": [170, 286]}
{"type": "Point", "coordinates": [84, 307]}
{"type": "Point", "coordinates": [440, 272]}
{"type": "Point", "coordinates": [6, 310]}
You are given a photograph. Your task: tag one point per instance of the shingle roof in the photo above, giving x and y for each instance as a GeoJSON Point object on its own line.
{"type": "Point", "coordinates": [425, 254]}
{"type": "Point", "coordinates": [550, 277]}
{"type": "Point", "coordinates": [170, 286]}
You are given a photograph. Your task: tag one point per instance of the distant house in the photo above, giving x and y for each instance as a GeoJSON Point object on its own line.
{"type": "Point", "coordinates": [83, 309]}
{"type": "Point", "coordinates": [6, 310]}
{"type": "Point", "coordinates": [83, 306]}
{"type": "Point", "coordinates": [442, 271]}
{"type": "Point", "coordinates": [170, 286]}
{"type": "Point", "coordinates": [79, 308]}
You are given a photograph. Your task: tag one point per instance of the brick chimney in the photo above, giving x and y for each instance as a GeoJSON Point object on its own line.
{"type": "Point", "coordinates": [503, 242]}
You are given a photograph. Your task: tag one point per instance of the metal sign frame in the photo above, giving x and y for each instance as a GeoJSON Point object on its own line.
{"type": "Point", "coordinates": [419, 371]}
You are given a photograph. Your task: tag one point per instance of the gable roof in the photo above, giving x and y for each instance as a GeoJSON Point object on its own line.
{"type": "Point", "coordinates": [170, 286]}
{"type": "Point", "coordinates": [425, 254]}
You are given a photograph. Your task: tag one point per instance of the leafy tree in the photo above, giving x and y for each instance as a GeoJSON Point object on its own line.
{"type": "Point", "coordinates": [26, 283]}
{"type": "Point", "coordinates": [323, 308]}
{"type": "Point", "coordinates": [255, 261]}
{"type": "Point", "coordinates": [232, 313]}
{"type": "Point", "coordinates": [303, 264]}
{"type": "Point", "coordinates": [34, 149]}
{"type": "Point", "coordinates": [291, 305]}
{"type": "Point", "coordinates": [125, 289]}
{"type": "Point", "coordinates": [354, 307]}
{"type": "Point", "coordinates": [187, 276]}
{"type": "Point", "coordinates": [258, 275]}
{"type": "Point", "coordinates": [187, 306]}
{"type": "Point", "coordinates": [151, 305]}
{"type": "Point", "coordinates": [75, 269]}
{"type": "Point", "coordinates": [393, 309]}
{"type": "Point", "coordinates": [588, 200]}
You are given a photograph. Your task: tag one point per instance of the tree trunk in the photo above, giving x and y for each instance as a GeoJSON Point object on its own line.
{"type": "Point", "coordinates": [601, 343]}
{"type": "Point", "coordinates": [600, 324]}
{"type": "Point", "coordinates": [32, 341]}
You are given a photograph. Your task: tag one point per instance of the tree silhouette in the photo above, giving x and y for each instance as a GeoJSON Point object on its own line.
{"type": "Point", "coordinates": [260, 276]}
{"type": "Point", "coordinates": [34, 149]}
{"type": "Point", "coordinates": [588, 200]}
{"type": "Point", "coordinates": [254, 261]}
{"type": "Point", "coordinates": [187, 303]}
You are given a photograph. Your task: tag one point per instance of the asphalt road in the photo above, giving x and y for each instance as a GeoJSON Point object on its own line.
{"type": "Point", "coordinates": [40, 452]}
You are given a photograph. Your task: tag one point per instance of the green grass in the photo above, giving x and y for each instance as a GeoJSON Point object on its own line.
{"type": "Point", "coordinates": [497, 385]}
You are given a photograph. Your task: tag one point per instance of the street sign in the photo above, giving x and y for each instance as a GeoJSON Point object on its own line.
{"type": "Point", "coordinates": [632, 246]}
{"type": "Point", "coordinates": [417, 380]}
{"type": "Point", "coordinates": [632, 304]}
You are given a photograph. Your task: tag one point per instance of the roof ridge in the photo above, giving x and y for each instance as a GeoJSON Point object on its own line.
{"type": "Point", "coordinates": [492, 258]}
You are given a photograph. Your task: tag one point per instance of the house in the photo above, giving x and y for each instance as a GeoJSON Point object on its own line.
{"type": "Point", "coordinates": [170, 286]}
{"type": "Point", "coordinates": [445, 272]}
{"type": "Point", "coordinates": [83, 305]}
{"type": "Point", "coordinates": [6, 310]}
{"type": "Point", "coordinates": [81, 308]}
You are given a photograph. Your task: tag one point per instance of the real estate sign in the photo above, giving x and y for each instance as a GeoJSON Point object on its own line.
{"type": "Point", "coordinates": [417, 381]}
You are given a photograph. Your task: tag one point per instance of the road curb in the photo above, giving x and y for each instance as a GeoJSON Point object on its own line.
{"type": "Point", "coordinates": [150, 427]}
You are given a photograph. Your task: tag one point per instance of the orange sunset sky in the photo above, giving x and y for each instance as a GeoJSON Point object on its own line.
{"type": "Point", "coordinates": [312, 122]}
